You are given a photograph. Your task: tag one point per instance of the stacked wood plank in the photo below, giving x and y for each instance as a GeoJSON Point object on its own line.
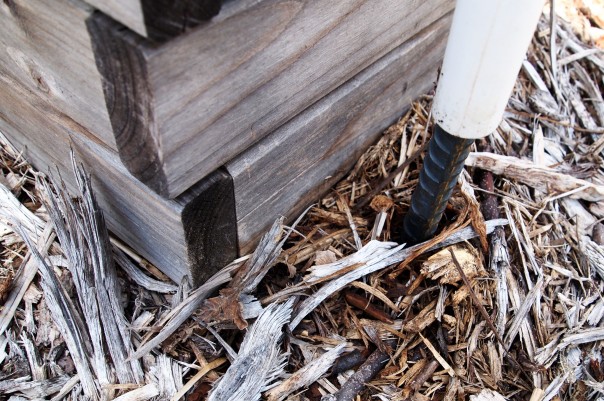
{"type": "Point", "coordinates": [196, 141]}
{"type": "Point", "coordinates": [202, 99]}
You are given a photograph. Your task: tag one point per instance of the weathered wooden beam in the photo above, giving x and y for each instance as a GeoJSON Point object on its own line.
{"type": "Point", "coordinates": [193, 235]}
{"type": "Point", "coordinates": [292, 167]}
{"type": "Point", "coordinates": [45, 45]}
{"type": "Point", "coordinates": [205, 227]}
{"type": "Point", "coordinates": [181, 109]}
{"type": "Point", "coordinates": [51, 98]}
{"type": "Point", "coordinates": [159, 20]}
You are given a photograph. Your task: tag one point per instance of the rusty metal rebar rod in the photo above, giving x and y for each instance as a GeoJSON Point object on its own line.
{"type": "Point", "coordinates": [437, 178]}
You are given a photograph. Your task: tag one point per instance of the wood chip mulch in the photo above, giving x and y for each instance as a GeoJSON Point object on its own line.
{"type": "Point", "coordinates": [505, 303]}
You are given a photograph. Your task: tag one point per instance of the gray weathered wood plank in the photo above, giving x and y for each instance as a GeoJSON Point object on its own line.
{"type": "Point", "coordinates": [210, 94]}
{"type": "Point", "coordinates": [193, 235]}
{"type": "Point", "coordinates": [45, 45]}
{"type": "Point", "coordinates": [293, 166]}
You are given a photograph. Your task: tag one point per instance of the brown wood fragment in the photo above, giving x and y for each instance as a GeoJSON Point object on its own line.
{"type": "Point", "coordinates": [365, 305]}
{"type": "Point", "coordinates": [357, 382]}
{"type": "Point", "coordinates": [473, 210]}
{"type": "Point", "coordinates": [440, 267]}
{"type": "Point", "coordinates": [348, 361]}
{"type": "Point", "coordinates": [484, 178]}
{"type": "Point", "coordinates": [598, 234]}
{"type": "Point", "coordinates": [384, 182]}
{"type": "Point", "coordinates": [426, 374]}
{"type": "Point", "coordinates": [423, 319]}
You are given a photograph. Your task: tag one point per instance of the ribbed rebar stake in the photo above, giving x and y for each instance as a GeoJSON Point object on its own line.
{"type": "Point", "coordinates": [437, 178]}
{"type": "Point", "coordinates": [485, 49]}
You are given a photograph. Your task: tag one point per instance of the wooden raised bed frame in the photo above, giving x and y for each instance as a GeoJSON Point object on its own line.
{"type": "Point", "coordinates": [51, 100]}
{"type": "Point", "coordinates": [183, 108]}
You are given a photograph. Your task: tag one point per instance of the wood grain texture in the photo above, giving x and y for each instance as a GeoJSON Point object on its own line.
{"type": "Point", "coordinates": [159, 20]}
{"type": "Point", "coordinates": [296, 164]}
{"type": "Point", "coordinates": [177, 235]}
{"type": "Point", "coordinates": [212, 97]}
{"type": "Point", "coordinates": [45, 45]}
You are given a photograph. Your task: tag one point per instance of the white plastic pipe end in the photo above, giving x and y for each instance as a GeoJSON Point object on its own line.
{"type": "Point", "coordinates": [485, 50]}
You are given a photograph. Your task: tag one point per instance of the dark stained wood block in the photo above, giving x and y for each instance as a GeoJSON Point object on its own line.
{"type": "Point", "coordinates": [159, 20]}
{"type": "Point", "coordinates": [183, 108]}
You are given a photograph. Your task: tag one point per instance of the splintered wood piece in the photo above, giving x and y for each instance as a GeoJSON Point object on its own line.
{"type": "Point", "coordinates": [168, 375]}
{"type": "Point", "coordinates": [263, 75]}
{"type": "Point", "coordinates": [305, 376]}
{"type": "Point", "coordinates": [582, 337]}
{"type": "Point", "coordinates": [487, 395]}
{"type": "Point", "coordinates": [521, 313]}
{"type": "Point", "coordinates": [423, 319]}
{"type": "Point", "coordinates": [259, 361]}
{"type": "Point", "coordinates": [36, 365]}
{"type": "Point", "coordinates": [12, 212]}
{"type": "Point", "coordinates": [440, 266]}
{"type": "Point", "coordinates": [545, 179]}
{"type": "Point", "coordinates": [499, 262]}
{"type": "Point", "coordinates": [146, 392]}
{"type": "Point", "coordinates": [81, 229]}
{"type": "Point", "coordinates": [474, 209]}
{"type": "Point", "coordinates": [68, 322]}
{"type": "Point", "coordinates": [159, 20]}
{"type": "Point", "coordinates": [35, 389]}
{"type": "Point", "coordinates": [141, 278]}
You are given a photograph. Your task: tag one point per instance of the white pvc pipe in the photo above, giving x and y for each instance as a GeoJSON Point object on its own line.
{"type": "Point", "coordinates": [485, 50]}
